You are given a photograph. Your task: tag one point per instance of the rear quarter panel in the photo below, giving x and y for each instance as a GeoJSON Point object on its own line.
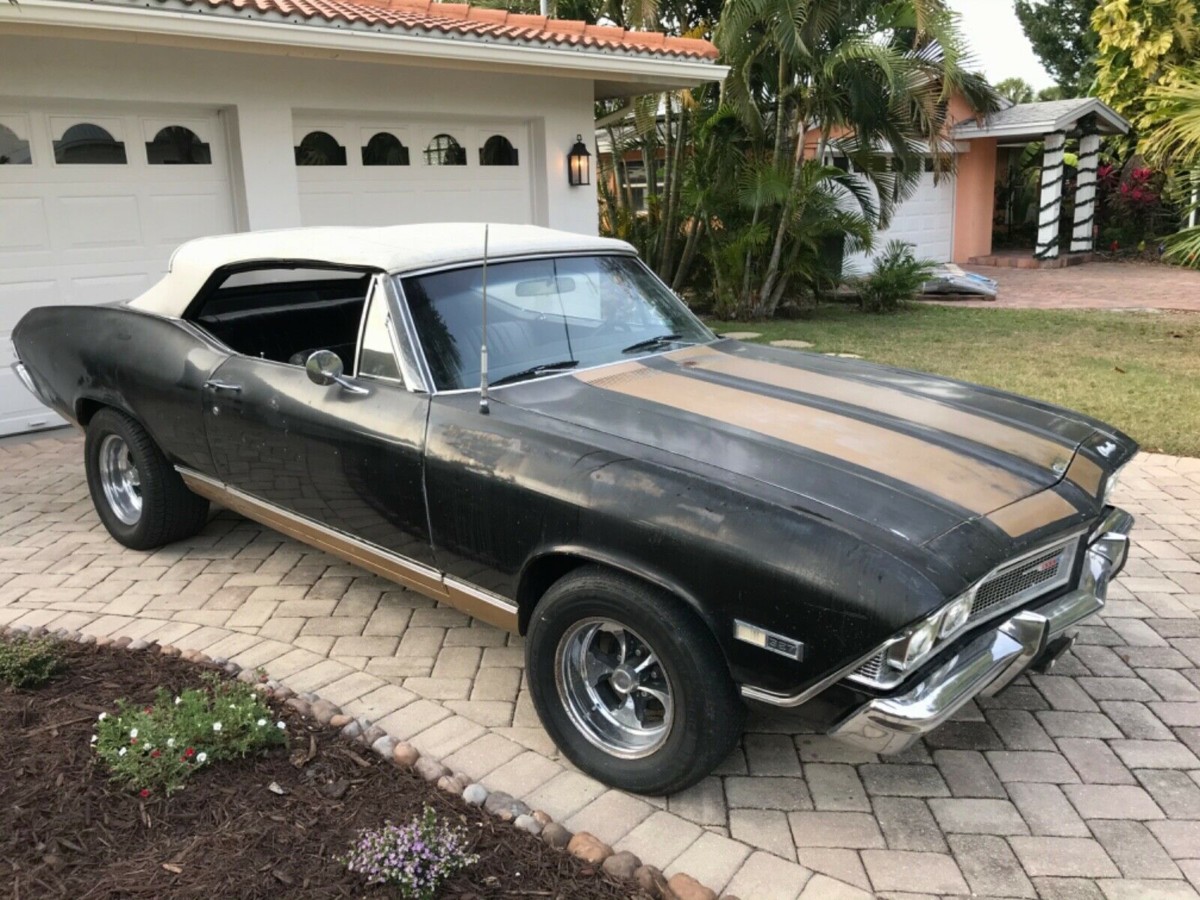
{"type": "Point", "coordinates": [149, 367]}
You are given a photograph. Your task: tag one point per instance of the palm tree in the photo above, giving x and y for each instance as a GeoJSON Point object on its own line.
{"type": "Point", "coordinates": [860, 77]}
{"type": "Point", "coordinates": [1018, 90]}
{"type": "Point", "coordinates": [1176, 142]}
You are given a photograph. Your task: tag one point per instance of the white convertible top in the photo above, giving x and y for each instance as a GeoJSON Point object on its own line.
{"type": "Point", "coordinates": [396, 248]}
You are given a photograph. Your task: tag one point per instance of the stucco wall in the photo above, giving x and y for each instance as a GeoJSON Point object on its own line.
{"type": "Point", "coordinates": [974, 200]}
{"type": "Point", "coordinates": [258, 94]}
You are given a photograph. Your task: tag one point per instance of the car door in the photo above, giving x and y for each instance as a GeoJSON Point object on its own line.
{"type": "Point", "coordinates": [347, 456]}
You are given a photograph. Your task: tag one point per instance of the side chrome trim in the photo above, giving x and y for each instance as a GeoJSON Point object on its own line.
{"type": "Point", "coordinates": [476, 602]}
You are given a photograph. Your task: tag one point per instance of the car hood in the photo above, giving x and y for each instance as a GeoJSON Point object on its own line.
{"type": "Point", "coordinates": [915, 455]}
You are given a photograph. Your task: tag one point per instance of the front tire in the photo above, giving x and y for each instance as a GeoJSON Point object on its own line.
{"type": "Point", "coordinates": [631, 686]}
{"type": "Point", "coordinates": [137, 493]}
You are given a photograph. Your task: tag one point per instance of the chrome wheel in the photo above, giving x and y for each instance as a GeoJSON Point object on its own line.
{"type": "Point", "coordinates": [120, 479]}
{"type": "Point", "coordinates": [614, 688]}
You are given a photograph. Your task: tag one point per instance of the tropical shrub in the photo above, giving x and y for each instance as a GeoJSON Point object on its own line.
{"type": "Point", "coordinates": [896, 277]}
{"type": "Point", "coordinates": [156, 748]}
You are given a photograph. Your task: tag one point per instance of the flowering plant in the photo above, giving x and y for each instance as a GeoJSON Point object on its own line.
{"type": "Point", "coordinates": [156, 748]}
{"type": "Point", "coordinates": [416, 858]}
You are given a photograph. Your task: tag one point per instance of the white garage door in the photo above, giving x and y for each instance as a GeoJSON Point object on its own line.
{"type": "Point", "coordinates": [925, 220]}
{"type": "Point", "coordinates": [362, 170]}
{"type": "Point", "coordinates": [93, 200]}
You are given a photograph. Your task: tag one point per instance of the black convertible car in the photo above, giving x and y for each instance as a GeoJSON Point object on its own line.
{"type": "Point", "coordinates": [676, 522]}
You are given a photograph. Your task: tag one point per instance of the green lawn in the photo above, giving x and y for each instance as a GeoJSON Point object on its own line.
{"type": "Point", "coordinates": [1139, 371]}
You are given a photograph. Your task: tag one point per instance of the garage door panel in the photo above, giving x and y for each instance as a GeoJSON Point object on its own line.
{"type": "Point", "coordinates": [105, 221]}
{"type": "Point", "coordinates": [23, 224]}
{"type": "Point", "coordinates": [176, 218]}
{"type": "Point", "coordinates": [358, 194]}
{"type": "Point", "coordinates": [86, 233]}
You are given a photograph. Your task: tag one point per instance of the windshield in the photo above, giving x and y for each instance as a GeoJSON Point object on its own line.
{"type": "Point", "coordinates": [545, 316]}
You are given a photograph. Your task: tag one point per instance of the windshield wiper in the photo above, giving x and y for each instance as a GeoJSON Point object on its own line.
{"type": "Point", "coordinates": [544, 369]}
{"type": "Point", "coordinates": [651, 343]}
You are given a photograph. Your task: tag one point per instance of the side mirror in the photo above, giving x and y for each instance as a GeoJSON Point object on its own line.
{"type": "Point", "coordinates": [324, 367]}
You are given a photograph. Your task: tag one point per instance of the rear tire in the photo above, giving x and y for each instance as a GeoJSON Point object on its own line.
{"type": "Point", "coordinates": [629, 683]}
{"type": "Point", "coordinates": [137, 493]}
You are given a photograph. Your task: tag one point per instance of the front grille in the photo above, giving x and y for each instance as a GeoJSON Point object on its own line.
{"type": "Point", "coordinates": [870, 669]}
{"type": "Point", "coordinates": [1024, 580]}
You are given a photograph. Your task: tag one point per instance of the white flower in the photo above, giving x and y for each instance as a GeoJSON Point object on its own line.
{"type": "Point", "coordinates": [121, 752]}
{"type": "Point", "coordinates": [216, 726]}
{"type": "Point", "coordinates": [280, 725]}
{"type": "Point", "coordinates": [94, 739]}
{"type": "Point", "coordinates": [170, 742]}
{"type": "Point", "coordinates": [103, 716]}
{"type": "Point", "coordinates": [133, 732]}
{"type": "Point", "coordinates": [178, 700]}
{"type": "Point", "coordinates": [201, 756]}
{"type": "Point", "coordinates": [262, 722]}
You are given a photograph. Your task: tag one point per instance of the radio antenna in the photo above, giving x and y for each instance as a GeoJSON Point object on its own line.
{"type": "Point", "coordinates": [483, 375]}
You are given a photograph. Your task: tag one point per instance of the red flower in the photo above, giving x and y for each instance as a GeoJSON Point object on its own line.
{"type": "Point", "coordinates": [189, 752]}
{"type": "Point", "coordinates": [155, 754]}
{"type": "Point", "coordinates": [148, 710]}
{"type": "Point", "coordinates": [144, 793]}
{"type": "Point", "coordinates": [133, 740]}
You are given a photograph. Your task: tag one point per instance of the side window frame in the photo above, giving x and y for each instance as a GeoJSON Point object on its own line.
{"type": "Point", "coordinates": [413, 376]}
{"type": "Point", "coordinates": [376, 293]}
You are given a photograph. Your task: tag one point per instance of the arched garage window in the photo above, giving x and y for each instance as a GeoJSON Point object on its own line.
{"type": "Point", "coordinates": [89, 145]}
{"type": "Point", "coordinates": [176, 145]}
{"type": "Point", "coordinates": [497, 151]}
{"type": "Point", "coordinates": [384, 149]}
{"type": "Point", "coordinates": [13, 150]}
{"type": "Point", "coordinates": [444, 150]}
{"type": "Point", "coordinates": [320, 148]}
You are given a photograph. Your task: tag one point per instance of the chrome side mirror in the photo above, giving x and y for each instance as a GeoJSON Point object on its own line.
{"type": "Point", "coordinates": [324, 367]}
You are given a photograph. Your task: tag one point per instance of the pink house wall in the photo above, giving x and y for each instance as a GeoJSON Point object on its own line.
{"type": "Point", "coordinates": [974, 200]}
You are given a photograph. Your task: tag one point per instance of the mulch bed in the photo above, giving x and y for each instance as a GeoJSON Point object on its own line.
{"type": "Point", "coordinates": [66, 831]}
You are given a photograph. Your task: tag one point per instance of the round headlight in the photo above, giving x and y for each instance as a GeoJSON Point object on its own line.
{"type": "Point", "coordinates": [908, 652]}
{"type": "Point", "coordinates": [956, 616]}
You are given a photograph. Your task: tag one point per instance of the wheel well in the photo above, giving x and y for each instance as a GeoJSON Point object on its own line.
{"type": "Point", "coordinates": [85, 409]}
{"type": "Point", "coordinates": [536, 580]}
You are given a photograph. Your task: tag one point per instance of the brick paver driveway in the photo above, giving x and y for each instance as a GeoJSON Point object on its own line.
{"type": "Point", "coordinates": [1085, 783]}
{"type": "Point", "coordinates": [1096, 285]}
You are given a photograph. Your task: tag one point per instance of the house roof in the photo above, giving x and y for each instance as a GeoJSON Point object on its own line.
{"type": "Point", "coordinates": [1035, 120]}
{"type": "Point", "coordinates": [395, 248]}
{"type": "Point", "coordinates": [461, 21]}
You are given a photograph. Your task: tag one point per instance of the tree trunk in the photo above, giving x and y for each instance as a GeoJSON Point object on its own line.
{"type": "Point", "coordinates": [689, 250]}
{"type": "Point", "coordinates": [764, 306]}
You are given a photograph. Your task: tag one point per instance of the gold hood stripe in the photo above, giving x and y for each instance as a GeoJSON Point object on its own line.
{"type": "Point", "coordinates": [945, 473]}
{"type": "Point", "coordinates": [920, 410]}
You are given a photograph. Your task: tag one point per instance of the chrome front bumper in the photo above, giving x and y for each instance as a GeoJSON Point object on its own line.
{"type": "Point", "coordinates": [990, 661]}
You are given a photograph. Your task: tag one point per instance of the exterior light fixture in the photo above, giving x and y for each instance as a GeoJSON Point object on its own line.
{"type": "Point", "coordinates": [579, 164]}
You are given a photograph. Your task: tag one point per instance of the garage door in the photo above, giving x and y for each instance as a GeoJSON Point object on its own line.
{"type": "Point", "coordinates": [925, 220]}
{"type": "Point", "coordinates": [359, 170]}
{"type": "Point", "coordinates": [93, 200]}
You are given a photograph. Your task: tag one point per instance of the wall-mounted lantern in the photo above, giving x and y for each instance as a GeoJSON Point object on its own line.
{"type": "Point", "coordinates": [579, 164]}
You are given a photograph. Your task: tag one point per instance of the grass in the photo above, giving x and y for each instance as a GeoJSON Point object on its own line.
{"type": "Point", "coordinates": [1138, 371]}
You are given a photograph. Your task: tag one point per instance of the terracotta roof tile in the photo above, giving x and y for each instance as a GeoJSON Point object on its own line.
{"type": "Point", "coordinates": [479, 22]}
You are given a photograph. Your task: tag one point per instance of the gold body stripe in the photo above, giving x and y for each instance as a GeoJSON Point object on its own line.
{"type": "Point", "coordinates": [917, 409]}
{"type": "Point", "coordinates": [473, 601]}
{"type": "Point", "coordinates": [953, 476]}
{"type": "Point", "coordinates": [1032, 513]}
{"type": "Point", "coordinates": [1086, 474]}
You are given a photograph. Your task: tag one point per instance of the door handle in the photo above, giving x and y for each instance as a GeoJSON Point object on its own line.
{"type": "Point", "coordinates": [217, 385]}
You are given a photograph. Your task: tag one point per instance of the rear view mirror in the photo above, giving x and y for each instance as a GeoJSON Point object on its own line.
{"type": "Point", "coordinates": [544, 287]}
